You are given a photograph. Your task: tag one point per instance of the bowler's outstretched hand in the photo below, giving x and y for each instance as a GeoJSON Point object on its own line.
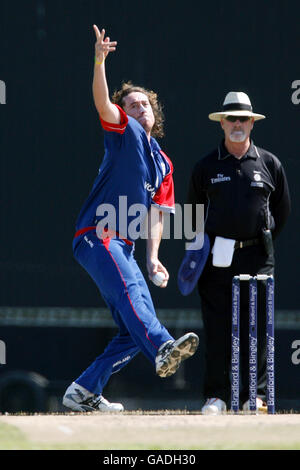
{"type": "Point", "coordinates": [103, 44]}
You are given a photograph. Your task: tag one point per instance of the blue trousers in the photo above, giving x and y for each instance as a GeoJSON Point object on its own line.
{"type": "Point", "coordinates": [112, 266]}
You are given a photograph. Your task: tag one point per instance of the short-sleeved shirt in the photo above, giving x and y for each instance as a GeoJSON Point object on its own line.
{"type": "Point", "coordinates": [133, 172]}
{"type": "Point", "coordinates": [241, 196]}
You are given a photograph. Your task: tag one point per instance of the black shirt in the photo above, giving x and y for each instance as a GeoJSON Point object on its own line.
{"type": "Point", "coordinates": [240, 196]}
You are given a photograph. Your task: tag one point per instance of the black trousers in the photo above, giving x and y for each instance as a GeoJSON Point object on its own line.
{"type": "Point", "coordinates": [215, 291]}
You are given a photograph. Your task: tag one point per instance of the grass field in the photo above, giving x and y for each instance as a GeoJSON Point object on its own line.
{"type": "Point", "coordinates": [163, 430]}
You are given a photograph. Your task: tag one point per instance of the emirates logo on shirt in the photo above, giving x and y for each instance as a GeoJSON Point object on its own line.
{"type": "Point", "coordinates": [220, 178]}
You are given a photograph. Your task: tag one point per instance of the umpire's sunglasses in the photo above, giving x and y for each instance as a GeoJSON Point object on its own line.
{"type": "Point", "coordinates": [235, 118]}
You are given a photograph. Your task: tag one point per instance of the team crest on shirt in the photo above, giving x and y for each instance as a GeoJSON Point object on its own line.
{"type": "Point", "coordinates": [257, 179]}
{"type": "Point", "coordinates": [220, 178]}
{"type": "Point", "coordinates": [257, 175]}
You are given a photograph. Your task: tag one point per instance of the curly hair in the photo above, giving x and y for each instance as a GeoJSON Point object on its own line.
{"type": "Point", "coordinates": [127, 88]}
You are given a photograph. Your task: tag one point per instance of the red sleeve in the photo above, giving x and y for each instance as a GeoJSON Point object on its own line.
{"type": "Point", "coordinates": [119, 128]}
{"type": "Point", "coordinates": [165, 197]}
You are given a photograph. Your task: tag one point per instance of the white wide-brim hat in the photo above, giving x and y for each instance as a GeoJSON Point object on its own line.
{"type": "Point", "coordinates": [236, 103]}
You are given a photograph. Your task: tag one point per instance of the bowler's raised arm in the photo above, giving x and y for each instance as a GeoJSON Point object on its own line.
{"type": "Point", "coordinates": [105, 108]}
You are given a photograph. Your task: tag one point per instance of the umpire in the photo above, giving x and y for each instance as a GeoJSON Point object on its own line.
{"type": "Point", "coordinates": [246, 198]}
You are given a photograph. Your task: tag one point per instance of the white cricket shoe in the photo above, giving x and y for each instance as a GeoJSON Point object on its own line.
{"type": "Point", "coordinates": [172, 353]}
{"type": "Point", "coordinates": [214, 406]}
{"type": "Point", "coordinates": [261, 406]}
{"type": "Point", "coordinates": [77, 398]}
